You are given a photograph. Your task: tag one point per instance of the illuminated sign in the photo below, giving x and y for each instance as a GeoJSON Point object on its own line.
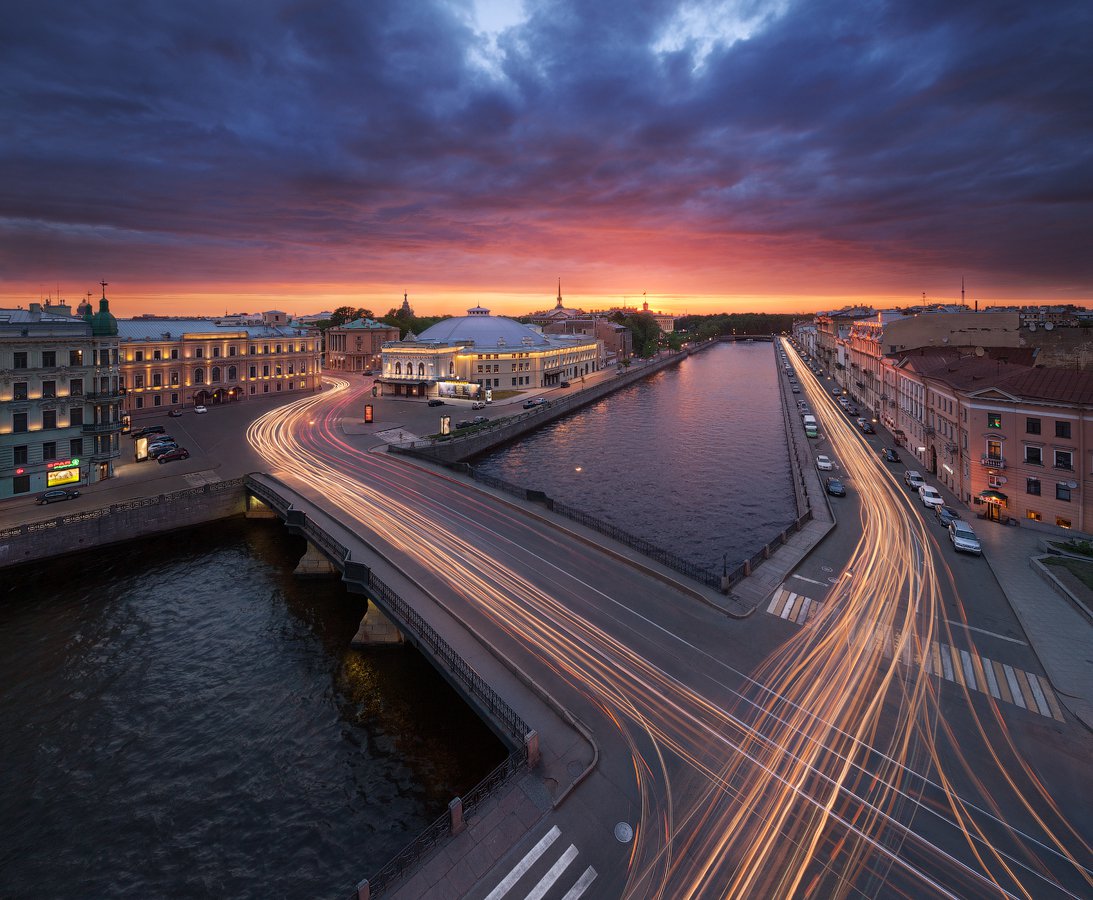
{"type": "Point", "coordinates": [73, 463]}
{"type": "Point", "coordinates": [489, 395]}
{"type": "Point", "coordinates": [62, 476]}
{"type": "Point", "coordinates": [368, 414]}
{"type": "Point", "coordinates": [445, 424]}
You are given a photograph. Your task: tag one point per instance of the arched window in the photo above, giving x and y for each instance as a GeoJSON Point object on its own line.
{"type": "Point", "coordinates": [215, 375]}
{"type": "Point", "coordinates": [398, 368]}
{"type": "Point", "coordinates": [421, 370]}
{"type": "Point", "coordinates": [451, 367]}
{"type": "Point", "coordinates": [199, 376]}
{"type": "Point", "coordinates": [232, 373]}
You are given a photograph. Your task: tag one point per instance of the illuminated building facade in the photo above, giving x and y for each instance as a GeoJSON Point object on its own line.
{"type": "Point", "coordinates": [358, 346]}
{"type": "Point", "coordinates": [468, 355]}
{"type": "Point", "coordinates": [60, 397]}
{"type": "Point", "coordinates": [171, 363]}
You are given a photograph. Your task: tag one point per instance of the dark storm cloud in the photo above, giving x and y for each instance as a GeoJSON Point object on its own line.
{"type": "Point", "coordinates": [221, 137]}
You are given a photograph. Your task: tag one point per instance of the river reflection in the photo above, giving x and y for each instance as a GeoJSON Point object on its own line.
{"type": "Point", "coordinates": [693, 458]}
{"type": "Point", "coordinates": [181, 716]}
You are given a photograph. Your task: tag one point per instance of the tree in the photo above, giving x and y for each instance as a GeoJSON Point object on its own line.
{"type": "Point", "coordinates": [345, 314]}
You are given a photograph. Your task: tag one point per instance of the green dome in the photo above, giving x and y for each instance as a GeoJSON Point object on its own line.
{"type": "Point", "coordinates": [103, 323]}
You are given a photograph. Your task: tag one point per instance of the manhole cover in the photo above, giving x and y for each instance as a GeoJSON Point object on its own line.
{"type": "Point", "coordinates": [623, 833]}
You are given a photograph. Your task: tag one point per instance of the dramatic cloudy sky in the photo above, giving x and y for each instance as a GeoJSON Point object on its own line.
{"type": "Point", "coordinates": [774, 154]}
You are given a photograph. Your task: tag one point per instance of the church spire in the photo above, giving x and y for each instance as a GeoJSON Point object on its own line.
{"type": "Point", "coordinates": [559, 306]}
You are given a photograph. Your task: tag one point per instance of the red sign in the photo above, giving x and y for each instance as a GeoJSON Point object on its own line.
{"type": "Point", "coordinates": [368, 414]}
{"type": "Point", "coordinates": [63, 464]}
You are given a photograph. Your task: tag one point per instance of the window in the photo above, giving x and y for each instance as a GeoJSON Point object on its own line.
{"type": "Point", "coordinates": [174, 353]}
{"type": "Point", "coordinates": [1062, 492]}
{"type": "Point", "coordinates": [18, 421]}
{"type": "Point", "coordinates": [254, 371]}
{"type": "Point", "coordinates": [1064, 459]}
{"type": "Point", "coordinates": [174, 379]}
{"type": "Point", "coordinates": [1035, 516]}
{"type": "Point", "coordinates": [1061, 522]}
{"type": "Point", "coordinates": [233, 373]}
{"type": "Point", "coordinates": [49, 390]}
{"type": "Point", "coordinates": [75, 417]}
{"type": "Point", "coordinates": [157, 400]}
{"type": "Point", "coordinates": [994, 420]}
{"type": "Point", "coordinates": [1062, 430]}
{"type": "Point", "coordinates": [75, 357]}
{"type": "Point", "coordinates": [49, 418]}
{"type": "Point", "coordinates": [138, 356]}
{"type": "Point", "coordinates": [215, 377]}
{"type": "Point", "coordinates": [265, 370]}
{"type": "Point", "coordinates": [994, 449]}
{"type": "Point", "coordinates": [157, 379]}
{"type": "Point", "coordinates": [20, 361]}
{"type": "Point", "coordinates": [157, 354]}
{"type": "Point", "coordinates": [49, 359]}
{"type": "Point", "coordinates": [199, 376]}
{"type": "Point", "coordinates": [231, 350]}
{"type": "Point", "coordinates": [1032, 486]}
{"type": "Point", "coordinates": [19, 454]}
{"type": "Point", "coordinates": [75, 447]}
{"type": "Point", "coordinates": [75, 387]}
{"type": "Point", "coordinates": [1034, 456]}
{"type": "Point", "coordinates": [253, 349]}
{"type": "Point", "coordinates": [278, 350]}
{"type": "Point", "coordinates": [174, 398]}
{"type": "Point", "coordinates": [140, 403]}
{"type": "Point", "coordinates": [216, 352]}
{"type": "Point", "coordinates": [19, 390]}
{"type": "Point", "coordinates": [138, 382]}
{"type": "Point", "coordinates": [20, 484]}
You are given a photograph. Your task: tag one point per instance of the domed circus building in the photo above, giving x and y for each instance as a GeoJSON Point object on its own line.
{"type": "Point", "coordinates": [469, 355]}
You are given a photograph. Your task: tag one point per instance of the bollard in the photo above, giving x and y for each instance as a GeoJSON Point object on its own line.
{"type": "Point", "coordinates": [362, 890]}
{"type": "Point", "coordinates": [766, 551]}
{"type": "Point", "coordinates": [532, 742]}
{"type": "Point", "coordinates": [747, 567]}
{"type": "Point", "coordinates": [455, 814]}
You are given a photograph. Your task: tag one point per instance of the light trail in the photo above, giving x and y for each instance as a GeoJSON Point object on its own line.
{"type": "Point", "coordinates": [809, 753]}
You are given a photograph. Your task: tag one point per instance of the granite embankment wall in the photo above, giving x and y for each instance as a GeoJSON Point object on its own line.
{"type": "Point", "coordinates": [121, 522]}
{"type": "Point", "coordinates": [461, 447]}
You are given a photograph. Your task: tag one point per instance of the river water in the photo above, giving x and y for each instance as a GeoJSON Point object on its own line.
{"type": "Point", "coordinates": [693, 458]}
{"type": "Point", "coordinates": [182, 717]}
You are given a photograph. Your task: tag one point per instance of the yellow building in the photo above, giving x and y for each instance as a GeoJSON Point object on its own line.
{"type": "Point", "coordinates": [468, 355]}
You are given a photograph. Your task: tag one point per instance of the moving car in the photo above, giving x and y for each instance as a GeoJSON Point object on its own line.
{"type": "Point", "coordinates": [963, 538]}
{"type": "Point", "coordinates": [795, 389]}
{"type": "Point", "coordinates": [930, 496]}
{"type": "Point", "coordinates": [464, 424]}
{"type": "Point", "coordinates": [946, 515]}
{"type": "Point", "coordinates": [823, 463]}
{"type": "Point", "coordinates": [200, 409]}
{"type": "Point", "coordinates": [436, 401]}
{"type": "Point", "coordinates": [835, 487]}
{"type": "Point", "coordinates": [913, 480]}
{"type": "Point", "coordinates": [538, 401]}
{"type": "Point", "coordinates": [478, 404]}
{"type": "Point", "coordinates": [173, 454]}
{"type": "Point", "coordinates": [889, 455]}
{"type": "Point", "coordinates": [480, 420]}
{"type": "Point", "coordinates": [175, 413]}
{"type": "Point", "coordinates": [563, 384]}
{"type": "Point", "coordinates": [52, 496]}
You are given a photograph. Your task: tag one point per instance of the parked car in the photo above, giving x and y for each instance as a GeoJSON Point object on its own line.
{"type": "Point", "coordinates": [175, 413]}
{"type": "Point", "coordinates": [173, 454]}
{"type": "Point", "coordinates": [823, 463]}
{"type": "Point", "coordinates": [52, 496]}
{"type": "Point", "coordinates": [913, 480]}
{"type": "Point", "coordinates": [161, 439]}
{"type": "Point", "coordinates": [889, 455]}
{"type": "Point", "coordinates": [795, 389]}
{"type": "Point", "coordinates": [480, 420]}
{"type": "Point", "coordinates": [963, 538]}
{"type": "Point", "coordinates": [930, 496]}
{"type": "Point", "coordinates": [836, 392]}
{"type": "Point", "coordinates": [563, 384]}
{"type": "Point", "coordinates": [159, 449]}
{"type": "Point", "coordinates": [200, 409]}
{"type": "Point", "coordinates": [478, 404]}
{"type": "Point", "coordinates": [835, 487]}
{"type": "Point", "coordinates": [436, 401]}
{"type": "Point", "coordinates": [946, 515]}
{"type": "Point", "coordinates": [851, 409]}
{"type": "Point", "coordinates": [147, 430]}
{"type": "Point", "coordinates": [464, 424]}
{"type": "Point", "coordinates": [538, 401]}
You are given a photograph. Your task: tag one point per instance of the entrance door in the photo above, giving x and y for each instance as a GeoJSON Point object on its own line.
{"type": "Point", "coordinates": [994, 512]}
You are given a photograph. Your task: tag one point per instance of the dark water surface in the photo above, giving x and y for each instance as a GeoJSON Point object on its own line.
{"type": "Point", "coordinates": [182, 717]}
{"type": "Point", "coordinates": [693, 458]}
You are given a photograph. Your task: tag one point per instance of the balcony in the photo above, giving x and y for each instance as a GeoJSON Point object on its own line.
{"type": "Point", "coordinates": [101, 427]}
{"type": "Point", "coordinates": [104, 455]}
{"type": "Point", "coordinates": [100, 396]}
{"type": "Point", "coordinates": [993, 462]}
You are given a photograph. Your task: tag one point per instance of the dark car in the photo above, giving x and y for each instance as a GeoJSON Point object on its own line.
{"type": "Point", "coordinates": [867, 428]}
{"type": "Point", "coordinates": [563, 384]}
{"type": "Point", "coordinates": [56, 494]}
{"type": "Point", "coordinates": [889, 455]}
{"type": "Point", "coordinates": [173, 454]}
{"type": "Point", "coordinates": [159, 449]}
{"type": "Point", "coordinates": [945, 515]}
{"type": "Point", "coordinates": [531, 404]}
{"type": "Point", "coordinates": [147, 430]}
{"type": "Point", "coordinates": [436, 401]}
{"type": "Point", "coordinates": [464, 424]}
{"type": "Point", "coordinates": [480, 420]}
{"type": "Point", "coordinates": [175, 413]}
{"type": "Point", "coordinates": [835, 487]}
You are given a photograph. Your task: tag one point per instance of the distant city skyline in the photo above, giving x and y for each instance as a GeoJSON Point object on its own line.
{"type": "Point", "coordinates": [708, 157]}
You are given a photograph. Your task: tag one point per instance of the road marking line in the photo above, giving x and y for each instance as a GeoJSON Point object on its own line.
{"type": "Point", "coordinates": [1056, 710]}
{"type": "Point", "coordinates": [796, 611]}
{"type": "Point", "coordinates": [993, 634]}
{"type": "Point", "coordinates": [1026, 692]}
{"type": "Point", "coordinates": [1015, 689]}
{"type": "Point", "coordinates": [946, 663]}
{"type": "Point", "coordinates": [555, 872]}
{"type": "Point", "coordinates": [958, 672]}
{"type": "Point", "coordinates": [969, 673]}
{"type": "Point", "coordinates": [526, 863]}
{"type": "Point", "coordinates": [1003, 681]}
{"type": "Point", "coordinates": [810, 580]}
{"type": "Point", "coordinates": [789, 606]}
{"type": "Point", "coordinates": [992, 682]}
{"type": "Point", "coordinates": [582, 884]}
{"type": "Point", "coordinates": [804, 612]}
{"type": "Point", "coordinates": [1041, 700]}
{"type": "Point", "coordinates": [774, 601]}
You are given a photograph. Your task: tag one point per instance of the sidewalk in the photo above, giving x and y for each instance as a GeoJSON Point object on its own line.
{"type": "Point", "coordinates": [1060, 636]}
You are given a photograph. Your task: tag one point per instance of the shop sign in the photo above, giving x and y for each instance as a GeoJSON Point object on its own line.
{"type": "Point", "coordinates": [73, 463]}
{"type": "Point", "coordinates": [62, 476]}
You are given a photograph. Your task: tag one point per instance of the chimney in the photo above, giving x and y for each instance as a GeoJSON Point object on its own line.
{"type": "Point", "coordinates": [35, 307]}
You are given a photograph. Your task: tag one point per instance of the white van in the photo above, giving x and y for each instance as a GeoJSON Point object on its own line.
{"type": "Point", "coordinates": [808, 420]}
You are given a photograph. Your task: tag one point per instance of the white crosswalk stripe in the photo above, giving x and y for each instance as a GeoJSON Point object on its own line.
{"type": "Point", "coordinates": [554, 876]}
{"type": "Point", "coordinates": [1003, 682]}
